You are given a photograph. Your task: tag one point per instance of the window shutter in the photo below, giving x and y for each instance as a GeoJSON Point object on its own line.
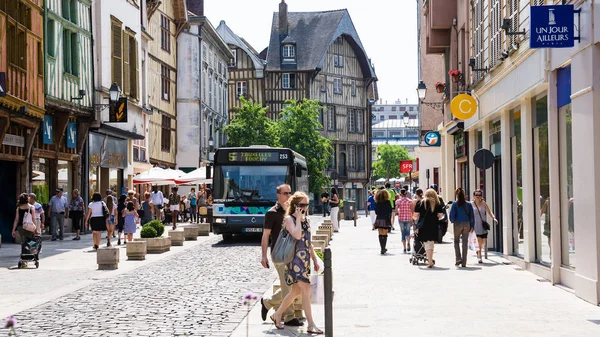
{"type": "Point", "coordinates": [135, 68]}
{"type": "Point", "coordinates": [126, 69]}
{"type": "Point", "coordinates": [117, 66]}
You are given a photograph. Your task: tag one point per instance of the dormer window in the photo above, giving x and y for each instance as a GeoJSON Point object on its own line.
{"type": "Point", "coordinates": [289, 51]}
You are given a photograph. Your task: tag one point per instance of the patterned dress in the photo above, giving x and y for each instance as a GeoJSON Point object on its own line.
{"type": "Point", "coordinates": [299, 268]}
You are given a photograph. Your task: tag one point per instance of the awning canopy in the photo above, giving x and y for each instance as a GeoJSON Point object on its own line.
{"type": "Point", "coordinates": [158, 176]}
{"type": "Point", "coordinates": [197, 176]}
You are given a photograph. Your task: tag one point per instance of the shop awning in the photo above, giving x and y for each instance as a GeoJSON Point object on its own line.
{"type": "Point", "coordinates": [158, 176]}
{"type": "Point", "coordinates": [198, 176]}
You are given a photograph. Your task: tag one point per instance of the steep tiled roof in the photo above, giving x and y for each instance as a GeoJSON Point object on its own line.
{"type": "Point", "coordinates": [313, 33]}
{"type": "Point", "coordinates": [231, 38]}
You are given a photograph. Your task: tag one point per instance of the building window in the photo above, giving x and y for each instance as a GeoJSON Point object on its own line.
{"type": "Point", "coordinates": [40, 52]}
{"type": "Point", "coordinates": [165, 82]}
{"type": "Point", "coordinates": [332, 160]}
{"type": "Point", "coordinates": [381, 108]}
{"type": "Point", "coordinates": [353, 87]}
{"type": "Point", "coordinates": [478, 37]}
{"type": "Point", "coordinates": [331, 118]}
{"type": "Point", "coordinates": [360, 116]}
{"type": "Point", "coordinates": [51, 38]}
{"type": "Point", "coordinates": [402, 108]}
{"type": "Point", "coordinates": [321, 117]}
{"type": "Point", "coordinates": [337, 86]}
{"type": "Point", "coordinates": [378, 134]}
{"type": "Point", "coordinates": [165, 33]}
{"type": "Point", "coordinates": [232, 61]}
{"type": "Point", "coordinates": [203, 51]}
{"type": "Point", "coordinates": [410, 108]}
{"type": "Point", "coordinates": [351, 120]}
{"type": "Point", "coordinates": [352, 157]}
{"type": "Point", "coordinates": [512, 9]}
{"type": "Point", "coordinates": [393, 108]}
{"type": "Point", "coordinates": [361, 158]}
{"type": "Point", "coordinates": [117, 53]}
{"type": "Point", "coordinates": [338, 61]}
{"type": "Point", "coordinates": [70, 53]}
{"type": "Point", "coordinates": [339, 40]}
{"type": "Point", "coordinates": [241, 89]}
{"type": "Point", "coordinates": [289, 51]}
{"type": "Point", "coordinates": [69, 10]}
{"type": "Point", "coordinates": [495, 32]}
{"type": "Point", "coordinates": [392, 117]}
{"type": "Point", "coordinates": [165, 140]}
{"type": "Point", "coordinates": [288, 81]}
{"type": "Point", "coordinates": [382, 118]}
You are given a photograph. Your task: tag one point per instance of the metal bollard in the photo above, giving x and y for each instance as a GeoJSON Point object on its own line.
{"type": "Point", "coordinates": [328, 294]}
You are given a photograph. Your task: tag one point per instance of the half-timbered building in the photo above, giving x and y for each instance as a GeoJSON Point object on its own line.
{"type": "Point", "coordinates": [57, 153]}
{"type": "Point", "coordinates": [246, 70]}
{"type": "Point", "coordinates": [21, 99]}
{"type": "Point", "coordinates": [318, 55]}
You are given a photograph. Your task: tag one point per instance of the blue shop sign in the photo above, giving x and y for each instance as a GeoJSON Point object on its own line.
{"type": "Point", "coordinates": [72, 135]}
{"type": "Point", "coordinates": [47, 129]}
{"type": "Point", "coordinates": [552, 26]}
{"type": "Point", "coordinates": [433, 138]}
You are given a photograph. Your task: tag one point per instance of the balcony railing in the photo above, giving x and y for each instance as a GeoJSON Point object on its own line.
{"type": "Point", "coordinates": [16, 82]}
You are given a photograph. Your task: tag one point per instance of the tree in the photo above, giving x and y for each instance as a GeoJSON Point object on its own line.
{"type": "Point", "coordinates": [251, 126]}
{"type": "Point", "coordinates": [298, 129]}
{"type": "Point", "coordinates": [388, 165]}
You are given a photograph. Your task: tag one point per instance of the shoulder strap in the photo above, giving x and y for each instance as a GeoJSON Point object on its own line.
{"type": "Point", "coordinates": [478, 211]}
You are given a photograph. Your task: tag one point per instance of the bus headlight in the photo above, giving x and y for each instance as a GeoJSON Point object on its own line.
{"type": "Point", "coordinates": [220, 220]}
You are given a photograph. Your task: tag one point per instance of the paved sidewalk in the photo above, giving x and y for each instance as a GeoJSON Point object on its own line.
{"type": "Point", "coordinates": [386, 296]}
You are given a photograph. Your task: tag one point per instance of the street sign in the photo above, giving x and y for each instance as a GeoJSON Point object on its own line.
{"type": "Point", "coordinates": [118, 111]}
{"type": "Point", "coordinates": [433, 138]}
{"type": "Point", "coordinates": [47, 130]}
{"type": "Point", "coordinates": [2, 84]}
{"type": "Point", "coordinates": [13, 140]}
{"type": "Point", "coordinates": [463, 106]}
{"type": "Point", "coordinates": [552, 26]}
{"type": "Point", "coordinates": [483, 159]}
{"type": "Point", "coordinates": [406, 166]}
{"type": "Point", "coordinates": [72, 135]}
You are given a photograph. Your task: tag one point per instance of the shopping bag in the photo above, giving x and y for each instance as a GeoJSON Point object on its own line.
{"type": "Point", "coordinates": [313, 271]}
{"type": "Point", "coordinates": [473, 245]}
{"type": "Point", "coordinates": [317, 290]}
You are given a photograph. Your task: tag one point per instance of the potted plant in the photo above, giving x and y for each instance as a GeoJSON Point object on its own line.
{"type": "Point", "coordinates": [440, 87]}
{"type": "Point", "coordinates": [152, 234]}
{"type": "Point", "coordinates": [456, 75]}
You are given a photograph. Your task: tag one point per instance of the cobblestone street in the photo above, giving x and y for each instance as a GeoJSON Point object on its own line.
{"type": "Point", "coordinates": [196, 292]}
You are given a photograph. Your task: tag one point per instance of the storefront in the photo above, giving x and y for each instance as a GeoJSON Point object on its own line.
{"type": "Point", "coordinates": [108, 158]}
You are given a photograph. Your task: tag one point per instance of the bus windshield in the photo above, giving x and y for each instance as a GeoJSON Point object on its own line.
{"type": "Point", "coordinates": [238, 183]}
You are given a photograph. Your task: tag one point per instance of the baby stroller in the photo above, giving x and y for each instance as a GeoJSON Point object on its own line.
{"type": "Point", "coordinates": [418, 252]}
{"type": "Point", "coordinates": [30, 251]}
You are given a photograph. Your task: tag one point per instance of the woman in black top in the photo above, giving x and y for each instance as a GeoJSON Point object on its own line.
{"type": "Point", "coordinates": [428, 211]}
{"type": "Point", "coordinates": [121, 205]}
{"type": "Point", "coordinates": [383, 222]}
{"type": "Point", "coordinates": [334, 203]}
{"type": "Point", "coordinates": [23, 208]}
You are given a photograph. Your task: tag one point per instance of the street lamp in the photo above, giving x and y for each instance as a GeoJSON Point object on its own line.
{"type": "Point", "coordinates": [211, 142]}
{"type": "Point", "coordinates": [421, 91]}
{"type": "Point", "coordinates": [405, 118]}
{"type": "Point", "coordinates": [114, 92]}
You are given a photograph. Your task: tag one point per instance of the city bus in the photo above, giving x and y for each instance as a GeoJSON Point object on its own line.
{"type": "Point", "coordinates": [244, 185]}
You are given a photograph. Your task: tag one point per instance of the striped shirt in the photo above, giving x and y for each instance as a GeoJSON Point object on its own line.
{"type": "Point", "coordinates": [403, 207]}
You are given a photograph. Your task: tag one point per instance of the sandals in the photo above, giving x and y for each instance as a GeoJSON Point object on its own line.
{"type": "Point", "coordinates": [278, 326]}
{"type": "Point", "coordinates": [312, 329]}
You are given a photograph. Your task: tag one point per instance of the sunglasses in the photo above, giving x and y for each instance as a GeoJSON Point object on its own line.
{"type": "Point", "coordinates": [477, 195]}
{"type": "Point", "coordinates": [302, 205]}
{"type": "Point", "coordinates": [286, 193]}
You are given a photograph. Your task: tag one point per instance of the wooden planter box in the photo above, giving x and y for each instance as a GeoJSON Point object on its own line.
{"type": "Point", "coordinates": [136, 250]}
{"type": "Point", "coordinates": [107, 258]}
{"type": "Point", "coordinates": [177, 237]}
{"type": "Point", "coordinates": [156, 245]}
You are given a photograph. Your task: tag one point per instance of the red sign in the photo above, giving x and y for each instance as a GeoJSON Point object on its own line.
{"type": "Point", "coordinates": [406, 166]}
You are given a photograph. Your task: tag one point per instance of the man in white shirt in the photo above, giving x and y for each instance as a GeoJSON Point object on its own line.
{"type": "Point", "coordinates": [58, 208]}
{"type": "Point", "coordinates": [39, 213]}
{"type": "Point", "coordinates": [158, 201]}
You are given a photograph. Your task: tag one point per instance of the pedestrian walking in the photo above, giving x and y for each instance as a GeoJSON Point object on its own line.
{"type": "Point", "coordinates": [334, 203]}
{"type": "Point", "coordinates": [383, 209]}
{"type": "Point", "coordinates": [392, 198]}
{"type": "Point", "coordinates": [461, 215]}
{"type": "Point", "coordinates": [405, 210]}
{"type": "Point", "coordinates": [129, 215]}
{"type": "Point", "coordinates": [202, 203]}
{"type": "Point", "coordinates": [24, 207]}
{"type": "Point", "coordinates": [76, 213]}
{"type": "Point", "coordinates": [297, 272]}
{"type": "Point", "coordinates": [113, 216]}
{"type": "Point", "coordinates": [325, 202]}
{"type": "Point", "coordinates": [158, 202]}
{"type": "Point", "coordinates": [39, 218]}
{"type": "Point", "coordinates": [481, 230]}
{"type": "Point", "coordinates": [371, 208]}
{"type": "Point", "coordinates": [174, 200]}
{"type": "Point", "coordinates": [428, 211]}
{"type": "Point", "coordinates": [96, 219]}
{"type": "Point", "coordinates": [193, 198]}
{"type": "Point", "coordinates": [271, 228]}
{"type": "Point", "coordinates": [121, 205]}
{"type": "Point", "coordinates": [147, 209]}
{"type": "Point", "coordinates": [58, 206]}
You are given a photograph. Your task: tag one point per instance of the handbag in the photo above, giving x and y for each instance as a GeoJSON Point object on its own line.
{"type": "Point", "coordinates": [484, 223]}
{"type": "Point", "coordinates": [105, 211]}
{"type": "Point", "coordinates": [203, 210]}
{"type": "Point", "coordinates": [28, 223]}
{"type": "Point", "coordinates": [285, 248]}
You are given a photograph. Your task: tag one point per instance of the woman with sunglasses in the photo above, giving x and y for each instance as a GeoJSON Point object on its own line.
{"type": "Point", "coordinates": [297, 272]}
{"type": "Point", "coordinates": [481, 210]}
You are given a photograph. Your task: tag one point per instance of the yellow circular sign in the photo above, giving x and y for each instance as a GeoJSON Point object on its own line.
{"type": "Point", "coordinates": [463, 106]}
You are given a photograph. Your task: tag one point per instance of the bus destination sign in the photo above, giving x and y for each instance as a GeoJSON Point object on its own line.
{"type": "Point", "coordinates": [257, 157]}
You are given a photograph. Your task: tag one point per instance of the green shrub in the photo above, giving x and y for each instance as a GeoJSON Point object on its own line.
{"type": "Point", "coordinates": [320, 255]}
{"type": "Point", "coordinates": [341, 204]}
{"type": "Point", "coordinates": [158, 226]}
{"type": "Point", "coordinates": [148, 232]}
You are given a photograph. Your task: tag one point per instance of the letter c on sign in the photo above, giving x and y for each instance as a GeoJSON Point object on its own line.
{"type": "Point", "coordinates": [463, 106]}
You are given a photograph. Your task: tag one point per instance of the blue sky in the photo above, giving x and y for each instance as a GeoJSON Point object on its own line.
{"type": "Point", "coordinates": [387, 29]}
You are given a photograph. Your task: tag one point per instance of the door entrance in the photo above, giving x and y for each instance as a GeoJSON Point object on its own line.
{"type": "Point", "coordinates": [497, 202]}
{"type": "Point", "coordinates": [8, 202]}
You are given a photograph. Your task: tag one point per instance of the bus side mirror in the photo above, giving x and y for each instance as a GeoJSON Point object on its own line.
{"type": "Point", "coordinates": [298, 171]}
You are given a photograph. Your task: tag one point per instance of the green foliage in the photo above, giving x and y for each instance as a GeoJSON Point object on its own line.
{"type": "Point", "coordinates": [148, 232]}
{"type": "Point", "coordinates": [320, 255]}
{"type": "Point", "coordinates": [388, 166]}
{"type": "Point", "coordinates": [251, 126]}
{"type": "Point", "coordinates": [298, 129]}
{"type": "Point", "coordinates": [158, 226]}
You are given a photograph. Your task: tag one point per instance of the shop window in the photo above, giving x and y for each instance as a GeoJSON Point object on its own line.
{"type": "Point", "coordinates": [517, 184]}
{"type": "Point", "coordinates": [542, 180]}
{"type": "Point", "coordinates": [566, 175]}
{"type": "Point", "coordinates": [40, 179]}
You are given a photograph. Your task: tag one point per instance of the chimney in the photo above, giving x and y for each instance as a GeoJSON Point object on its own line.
{"type": "Point", "coordinates": [196, 7]}
{"type": "Point", "coordinates": [283, 19]}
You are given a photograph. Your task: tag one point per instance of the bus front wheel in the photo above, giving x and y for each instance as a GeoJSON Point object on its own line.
{"type": "Point", "coordinates": [227, 237]}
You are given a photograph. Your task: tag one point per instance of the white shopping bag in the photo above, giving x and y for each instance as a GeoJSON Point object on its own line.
{"type": "Point", "coordinates": [317, 290]}
{"type": "Point", "coordinates": [473, 245]}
